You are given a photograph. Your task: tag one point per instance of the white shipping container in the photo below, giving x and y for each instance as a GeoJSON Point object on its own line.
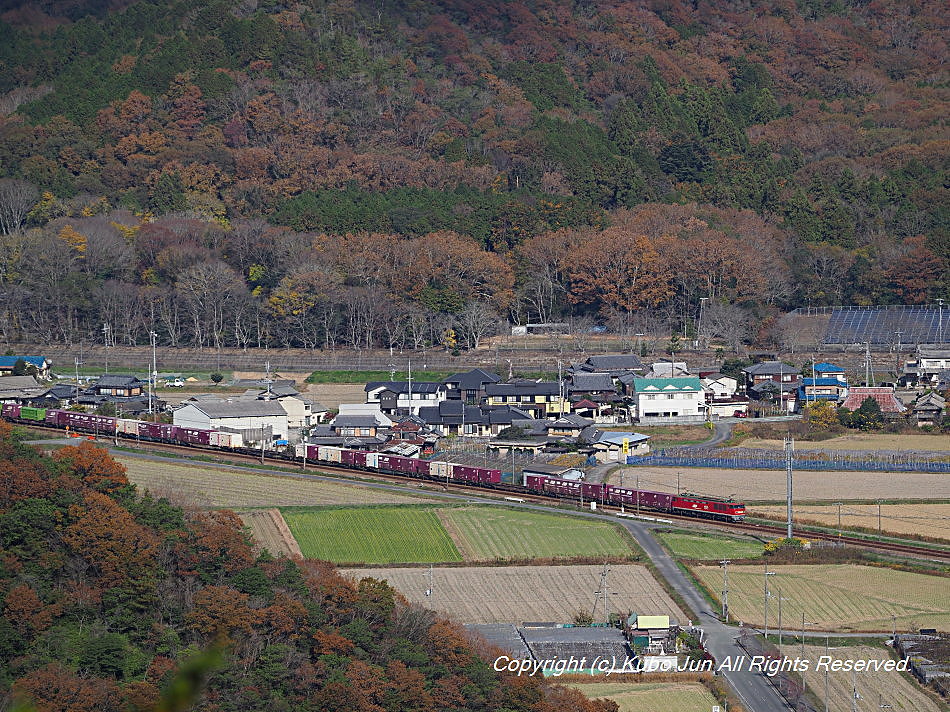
{"type": "Point", "coordinates": [330, 454]}
{"type": "Point", "coordinates": [440, 469]}
{"type": "Point", "coordinates": [220, 438]}
{"type": "Point", "coordinates": [372, 459]}
{"type": "Point", "coordinates": [127, 426]}
{"type": "Point", "coordinates": [299, 450]}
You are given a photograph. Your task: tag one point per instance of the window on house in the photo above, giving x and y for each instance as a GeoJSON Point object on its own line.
{"type": "Point", "coordinates": [670, 396]}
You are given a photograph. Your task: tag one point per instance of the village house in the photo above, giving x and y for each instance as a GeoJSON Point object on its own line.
{"type": "Point", "coordinates": [722, 397]}
{"type": "Point", "coordinates": [469, 386]}
{"type": "Point", "coordinates": [884, 395]}
{"type": "Point", "coordinates": [928, 410]}
{"type": "Point", "coordinates": [775, 371]}
{"type": "Point", "coordinates": [668, 398]}
{"type": "Point", "coordinates": [404, 397]}
{"type": "Point", "coordinates": [924, 370]}
{"type": "Point", "coordinates": [35, 366]}
{"type": "Point", "coordinates": [542, 399]}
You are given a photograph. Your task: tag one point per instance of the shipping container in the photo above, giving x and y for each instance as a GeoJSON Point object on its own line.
{"type": "Point", "coordinates": [372, 460]}
{"type": "Point", "coordinates": [359, 458]}
{"type": "Point", "coordinates": [330, 454]}
{"type": "Point", "coordinates": [489, 476]}
{"type": "Point", "coordinates": [30, 413]}
{"type": "Point", "coordinates": [219, 438]}
{"type": "Point", "coordinates": [192, 436]}
{"type": "Point", "coordinates": [10, 410]}
{"type": "Point", "coordinates": [56, 417]}
{"type": "Point", "coordinates": [563, 488]}
{"type": "Point", "coordinates": [535, 483]}
{"type": "Point", "coordinates": [348, 457]}
{"type": "Point", "coordinates": [593, 491]}
{"type": "Point", "coordinates": [156, 431]}
{"type": "Point", "coordinates": [439, 468]}
{"type": "Point", "coordinates": [465, 473]}
{"type": "Point", "coordinates": [420, 467]}
{"type": "Point", "coordinates": [313, 452]}
{"type": "Point", "coordinates": [127, 426]}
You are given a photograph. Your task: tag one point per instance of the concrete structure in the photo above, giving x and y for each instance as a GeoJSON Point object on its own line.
{"type": "Point", "coordinates": [235, 414]}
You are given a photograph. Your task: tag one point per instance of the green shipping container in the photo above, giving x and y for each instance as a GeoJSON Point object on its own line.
{"type": "Point", "coordinates": [30, 413]}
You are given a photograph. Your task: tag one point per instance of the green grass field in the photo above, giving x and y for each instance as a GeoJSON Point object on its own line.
{"type": "Point", "coordinates": [372, 535]}
{"type": "Point", "coordinates": [652, 697]}
{"type": "Point", "coordinates": [485, 533]}
{"type": "Point", "coordinates": [686, 545]}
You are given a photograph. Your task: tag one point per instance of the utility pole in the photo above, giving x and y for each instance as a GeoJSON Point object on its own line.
{"type": "Point", "coordinates": [603, 594]}
{"type": "Point", "coordinates": [677, 484]}
{"type": "Point", "coordinates": [940, 318]}
{"type": "Point", "coordinates": [429, 589]}
{"type": "Point", "coordinates": [879, 529]}
{"type": "Point", "coordinates": [105, 340]}
{"type": "Point", "coordinates": [409, 372]}
{"type": "Point", "coordinates": [76, 359]}
{"type": "Point", "coordinates": [637, 495]}
{"type": "Point", "coordinates": [151, 379]}
{"type": "Point", "coordinates": [839, 517]}
{"type": "Point", "coordinates": [789, 446]}
{"type": "Point", "coordinates": [766, 601]}
{"type": "Point", "coordinates": [897, 360]}
{"type": "Point", "coordinates": [699, 326]}
{"type": "Point", "coordinates": [725, 589]}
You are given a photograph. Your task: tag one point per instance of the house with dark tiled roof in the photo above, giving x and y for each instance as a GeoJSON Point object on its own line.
{"type": "Point", "coordinates": [542, 399]}
{"type": "Point", "coordinates": [404, 397]}
{"type": "Point", "coordinates": [776, 371]}
{"type": "Point", "coordinates": [118, 385]}
{"type": "Point", "coordinates": [469, 385]}
{"type": "Point", "coordinates": [928, 410]}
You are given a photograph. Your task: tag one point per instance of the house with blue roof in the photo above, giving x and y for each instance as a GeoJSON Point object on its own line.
{"type": "Point", "coordinates": [42, 366]}
{"type": "Point", "coordinates": [829, 370]}
{"type": "Point", "coordinates": [825, 388]}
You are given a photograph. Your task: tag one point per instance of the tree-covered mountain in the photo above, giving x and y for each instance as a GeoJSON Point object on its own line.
{"type": "Point", "coordinates": [805, 139]}
{"type": "Point", "coordinates": [111, 599]}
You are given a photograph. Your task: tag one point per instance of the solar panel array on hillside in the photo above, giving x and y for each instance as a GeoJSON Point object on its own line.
{"type": "Point", "coordinates": [879, 326]}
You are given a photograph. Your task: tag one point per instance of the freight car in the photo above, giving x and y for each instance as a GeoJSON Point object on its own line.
{"type": "Point", "coordinates": [439, 470]}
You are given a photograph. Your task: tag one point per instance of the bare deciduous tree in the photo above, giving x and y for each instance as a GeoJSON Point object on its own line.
{"type": "Point", "coordinates": [728, 322]}
{"type": "Point", "coordinates": [17, 198]}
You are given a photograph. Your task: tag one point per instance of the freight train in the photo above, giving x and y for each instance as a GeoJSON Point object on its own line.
{"type": "Point", "coordinates": [440, 470]}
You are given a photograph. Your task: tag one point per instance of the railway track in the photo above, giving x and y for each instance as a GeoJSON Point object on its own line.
{"type": "Point", "coordinates": [346, 473]}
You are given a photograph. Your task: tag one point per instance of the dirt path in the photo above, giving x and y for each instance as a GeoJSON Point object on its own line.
{"type": "Point", "coordinates": [461, 543]}
{"type": "Point", "coordinates": [271, 532]}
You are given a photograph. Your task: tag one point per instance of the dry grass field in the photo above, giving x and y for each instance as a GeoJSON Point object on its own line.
{"type": "Point", "coordinates": [863, 441]}
{"type": "Point", "coordinates": [513, 594]}
{"type": "Point", "coordinates": [930, 520]}
{"type": "Point", "coordinates": [270, 532]}
{"type": "Point", "coordinates": [765, 485]}
{"type": "Point", "coordinates": [874, 687]}
{"type": "Point", "coordinates": [841, 598]}
{"type": "Point", "coordinates": [332, 394]}
{"type": "Point", "coordinates": [651, 697]}
{"type": "Point", "coordinates": [206, 486]}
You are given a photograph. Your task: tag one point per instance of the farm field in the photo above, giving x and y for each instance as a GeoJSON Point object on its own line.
{"type": "Point", "coordinates": [931, 520]}
{"type": "Point", "coordinates": [839, 598]}
{"type": "Point", "coordinates": [513, 594]}
{"type": "Point", "coordinates": [651, 697]}
{"type": "Point", "coordinates": [209, 486]}
{"type": "Point", "coordinates": [769, 485]}
{"type": "Point", "coordinates": [686, 545]}
{"type": "Point", "coordinates": [331, 395]}
{"type": "Point", "coordinates": [370, 535]}
{"type": "Point", "coordinates": [270, 532]}
{"type": "Point", "coordinates": [862, 441]}
{"type": "Point", "coordinates": [874, 687]}
{"type": "Point", "coordinates": [487, 533]}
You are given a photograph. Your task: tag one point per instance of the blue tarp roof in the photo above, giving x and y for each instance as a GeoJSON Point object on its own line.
{"type": "Point", "coordinates": [10, 361]}
{"type": "Point", "coordinates": [828, 368]}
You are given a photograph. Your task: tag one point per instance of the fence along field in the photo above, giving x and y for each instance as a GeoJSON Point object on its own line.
{"type": "Point", "coordinates": [874, 687]}
{"type": "Point", "coordinates": [769, 485]}
{"type": "Point", "coordinates": [512, 594]}
{"type": "Point", "coordinates": [489, 533]}
{"type": "Point", "coordinates": [652, 697]}
{"type": "Point", "coordinates": [369, 535]}
{"type": "Point", "coordinates": [210, 486]}
{"type": "Point", "coordinates": [841, 598]}
{"type": "Point", "coordinates": [929, 520]}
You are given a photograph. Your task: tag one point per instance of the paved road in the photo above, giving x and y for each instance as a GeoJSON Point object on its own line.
{"type": "Point", "coordinates": [753, 688]}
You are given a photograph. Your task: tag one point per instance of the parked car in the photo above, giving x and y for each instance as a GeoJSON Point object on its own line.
{"type": "Point", "coordinates": [740, 414]}
{"type": "Point", "coordinates": [175, 383]}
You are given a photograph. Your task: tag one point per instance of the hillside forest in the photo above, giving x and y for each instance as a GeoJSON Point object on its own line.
{"type": "Point", "coordinates": [373, 174]}
{"type": "Point", "coordinates": [114, 600]}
